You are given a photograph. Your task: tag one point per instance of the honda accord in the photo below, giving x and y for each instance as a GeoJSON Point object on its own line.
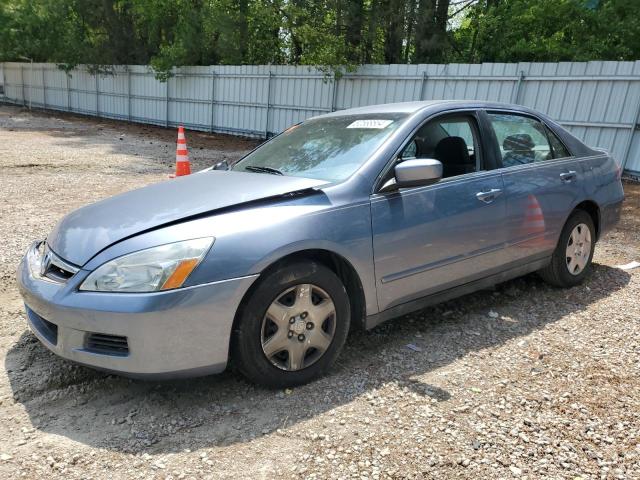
{"type": "Point", "coordinates": [342, 221]}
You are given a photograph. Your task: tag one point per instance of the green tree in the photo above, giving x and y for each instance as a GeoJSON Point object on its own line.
{"type": "Point", "coordinates": [550, 30]}
{"type": "Point", "coordinates": [432, 42]}
{"type": "Point", "coordinates": [332, 33]}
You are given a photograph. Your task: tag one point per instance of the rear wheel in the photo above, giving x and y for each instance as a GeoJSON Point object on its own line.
{"type": "Point", "coordinates": [293, 326]}
{"type": "Point", "coordinates": [571, 260]}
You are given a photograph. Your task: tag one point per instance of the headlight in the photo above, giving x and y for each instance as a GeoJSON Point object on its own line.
{"type": "Point", "coordinates": [34, 258]}
{"type": "Point", "coordinates": [159, 268]}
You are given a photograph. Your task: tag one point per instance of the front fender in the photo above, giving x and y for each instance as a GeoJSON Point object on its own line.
{"type": "Point", "coordinates": [248, 240]}
{"type": "Point", "coordinates": [345, 231]}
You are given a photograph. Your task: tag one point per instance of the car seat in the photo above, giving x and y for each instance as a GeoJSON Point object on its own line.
{"type": "Point", "coordinates": [454, 155]}
{"type": "Point", "coordinates": [518, 150]}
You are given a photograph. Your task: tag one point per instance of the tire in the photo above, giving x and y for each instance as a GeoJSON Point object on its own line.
{"type": "Point", "coordinates": [264, 325]}
{"type": "Point", "coordinates": [560, 272]}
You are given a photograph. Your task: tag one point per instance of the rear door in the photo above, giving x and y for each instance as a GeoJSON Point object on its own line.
{"type": "Point", "coordinates": [427, 239]}
{"type": "Point", "coordinates": [542, 183]}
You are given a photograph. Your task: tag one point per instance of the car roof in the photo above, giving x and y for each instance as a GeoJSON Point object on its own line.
{"type": "Point", "coordinates": [429, 107]}
{"type": "Point", "coordinates": [413, 107]}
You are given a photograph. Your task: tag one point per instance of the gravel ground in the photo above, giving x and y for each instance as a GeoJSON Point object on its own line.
{"type": "Point", "coordinates": [522, 381]}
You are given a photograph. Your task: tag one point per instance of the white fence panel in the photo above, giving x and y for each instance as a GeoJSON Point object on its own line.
{"type": "Point", "coordinates": [598, 101]}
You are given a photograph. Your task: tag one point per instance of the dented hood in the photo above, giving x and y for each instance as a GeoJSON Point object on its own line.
{"type": "Point", "coordinates": [85, 232]}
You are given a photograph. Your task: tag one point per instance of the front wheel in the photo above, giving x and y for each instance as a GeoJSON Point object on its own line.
{"type": "Point", "coordinates": [572, 257]}
{"type": "Point", "coordinates": [292, 327]}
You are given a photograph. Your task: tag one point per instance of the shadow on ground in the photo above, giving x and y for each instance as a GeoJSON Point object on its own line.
{"type": "Point", "coordinates": [135, 416]}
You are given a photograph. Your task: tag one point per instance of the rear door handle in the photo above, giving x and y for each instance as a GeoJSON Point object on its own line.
{"type": "Point", "coordinates": [488, 196]}
{"type": "Point", "coordinates": [569, 176]}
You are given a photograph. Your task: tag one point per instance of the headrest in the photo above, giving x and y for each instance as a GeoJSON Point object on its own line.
{"type": "Point", "coordinates": [452, 149]}
{"type": "Point", "coordinates": [520, 141]}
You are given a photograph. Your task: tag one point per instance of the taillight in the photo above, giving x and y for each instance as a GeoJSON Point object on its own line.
{"type": "Point", "coordinates": [618, 171]}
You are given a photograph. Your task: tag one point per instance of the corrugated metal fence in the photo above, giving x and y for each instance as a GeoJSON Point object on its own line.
{"type": "Point", "coordinates": [598, 101]}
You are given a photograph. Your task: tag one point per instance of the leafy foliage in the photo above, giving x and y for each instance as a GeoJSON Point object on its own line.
{"type": "Point", "coordinates": [550, 30]}
{"type": "Point", "coordinates": [336, 34]}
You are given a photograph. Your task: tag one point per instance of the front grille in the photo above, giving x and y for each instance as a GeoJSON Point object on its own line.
{"type": "Point", "coordinates": [107, 344]}
{"type": "Point", "coordinates": [45, 328]}
{"type": "Point", "coordinates": [57, 274]}
{"type": "Point", "coordinates": [55, 268]}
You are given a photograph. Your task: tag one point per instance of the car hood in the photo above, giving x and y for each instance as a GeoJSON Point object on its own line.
{"type": "Point", "coordinates": [85, 232]}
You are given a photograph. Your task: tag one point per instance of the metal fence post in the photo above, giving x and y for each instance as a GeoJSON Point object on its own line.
{"type": "Point", "coordinates": [128, 94]}
{"type": "Point", "coordinates": [166, 102]}
{"type": "Point", "coordinates": [266, 123]}
{"type": "Point", "coordinates": [4, 86]}
{"type": "Point", "coordinates": [66, 74]}
{"type": "Point", "coordinates": [44, 89]}
{"type": "Point", "coordinates": [444, 80]}
{"type": "Point", "coordinates": [423, 83]}
{"type": "Point", "coordinates": [24, 102]}
{"type": "Point", "coordinates": [334, 92]}
{"type": "Point", "coordinates": [516, 95]}
{"type": "Point", "coordinates": [97, 97]}
{"type": "Point", "coordinates": [213, 96]}
{"type": "Point", "coordinates": [31, 85]}
{"type": "Point", "coordinates": [634, 126]}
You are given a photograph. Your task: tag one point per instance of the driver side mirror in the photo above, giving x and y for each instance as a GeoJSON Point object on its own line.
{"type": "Point", "coordinates": [414, 172]}
{"type": "Point", "coordinates": [223, 165]}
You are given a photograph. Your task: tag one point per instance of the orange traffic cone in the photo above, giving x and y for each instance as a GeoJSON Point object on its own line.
{"type": "Point", "coordinates": [533, 225]}
{"type": "Point", "coordinates": [183, 167]}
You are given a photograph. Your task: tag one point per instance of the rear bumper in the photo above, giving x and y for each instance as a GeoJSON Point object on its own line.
{"type": "Point", "coordinates": [610, 216]}
{"type": "Point", "coordinates": [183, 332]}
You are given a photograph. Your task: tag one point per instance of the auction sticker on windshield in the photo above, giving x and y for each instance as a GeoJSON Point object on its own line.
{"type": "Point", "coordinates": [370, 123]}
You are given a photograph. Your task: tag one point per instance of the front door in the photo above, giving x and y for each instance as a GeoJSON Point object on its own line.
{"type": "Point", "coordinates": [427, 239]}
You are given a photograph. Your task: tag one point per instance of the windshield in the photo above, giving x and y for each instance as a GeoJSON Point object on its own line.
{"type": "Point", "coordinates": [329, 148]}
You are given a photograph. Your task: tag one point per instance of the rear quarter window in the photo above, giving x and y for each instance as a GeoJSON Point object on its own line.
{"type": "Point", "coordinates": [559, 150]}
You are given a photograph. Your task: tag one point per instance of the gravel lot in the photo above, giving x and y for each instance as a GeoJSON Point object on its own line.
{"type": "Point", "coordinates": [524, 381]}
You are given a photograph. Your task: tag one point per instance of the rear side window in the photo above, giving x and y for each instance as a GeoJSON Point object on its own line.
{"type": "Point", "coordinates": [521, 139]}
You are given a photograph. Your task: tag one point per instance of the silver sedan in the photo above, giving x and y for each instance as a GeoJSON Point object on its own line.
{"type": "Point", "coordinates": [343, 221]}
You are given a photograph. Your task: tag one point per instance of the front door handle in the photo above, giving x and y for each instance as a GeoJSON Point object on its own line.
{"type": "Point", "coordinates": [488, 196]}
{"type": "Point", "coordinates": [568, 177]}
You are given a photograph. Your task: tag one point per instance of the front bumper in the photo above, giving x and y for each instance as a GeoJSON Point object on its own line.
{"type": "Point", "coordinates": [183, 332]}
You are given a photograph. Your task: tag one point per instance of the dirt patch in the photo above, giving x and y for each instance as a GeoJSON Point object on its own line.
{"type": "Point", "coordinates": [548, 387]}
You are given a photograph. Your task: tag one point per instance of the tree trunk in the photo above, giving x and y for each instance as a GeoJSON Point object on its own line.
{"type": "Point", "coordinates": [243, 29]}
{"type": "Point", "coordinates": [353, 20]}
{"type": "Point", "coordinates": [431, 31]}
{"type": "Point", "coordinates": [394, 30]}
{"type": "Point", "coordinates": [411, 21]}
{"type": "Point", "coordinates": [424, 29]}
{"type": "Point", "coordinates": [372, 30]}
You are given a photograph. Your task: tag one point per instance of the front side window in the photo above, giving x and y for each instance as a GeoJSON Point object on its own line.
{"type": "Point", "coordinates": [329, 148]}
{"type": "Point", "coordinates": [521, 139]}
{"type": "Point", "coordinates": [451, 140]}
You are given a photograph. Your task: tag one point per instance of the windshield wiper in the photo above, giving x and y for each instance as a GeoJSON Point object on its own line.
{"type": "Point", "coordinates": [257, 169]}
